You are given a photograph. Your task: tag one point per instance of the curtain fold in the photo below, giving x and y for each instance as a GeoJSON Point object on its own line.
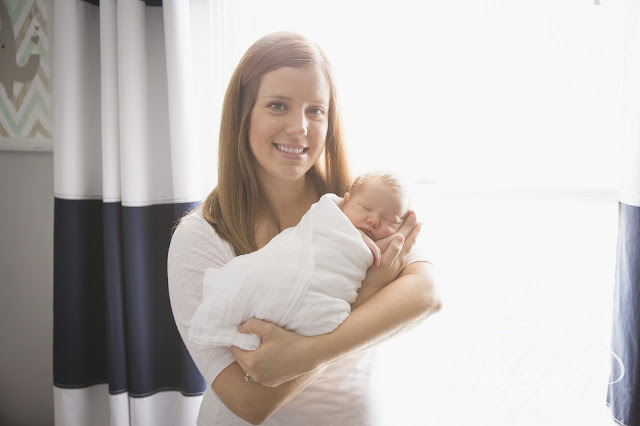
{"type": "Point", "coordinates": [123, 166]}
{"type": "Point", "coordinates": [147, 2]}
{"type": "Point", "coordinates": [623, 395]}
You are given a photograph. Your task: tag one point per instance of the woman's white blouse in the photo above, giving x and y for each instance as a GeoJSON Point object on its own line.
{"type": "Point", "coordinates": [340, 396]}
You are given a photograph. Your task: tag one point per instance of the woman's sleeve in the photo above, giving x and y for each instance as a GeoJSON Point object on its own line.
{"type": "Point", "coordinates": [194, 248]}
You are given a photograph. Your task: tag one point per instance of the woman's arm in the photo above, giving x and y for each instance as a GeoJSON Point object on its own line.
{"type": "Point", "coordinates": [286, 362]}
{"type": "Point", "coordinates": [400, 305]}
{"type": "Point", "coordinates": [284, 355]}
{"type": "Point", "coordinates": [252, 401]}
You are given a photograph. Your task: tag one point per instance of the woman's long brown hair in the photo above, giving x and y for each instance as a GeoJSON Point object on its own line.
{"type": "Point", "coordinates": [239, 200]}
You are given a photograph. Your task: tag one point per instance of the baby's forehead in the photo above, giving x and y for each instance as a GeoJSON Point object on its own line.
{"type": "Point", "coordinates": [384, 193]}
{"type": "Point", "coordinates": [378, 187]}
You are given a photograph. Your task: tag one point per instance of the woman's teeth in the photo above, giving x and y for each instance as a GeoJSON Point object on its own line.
{"type": "Point", "coordinates": [289, 150]}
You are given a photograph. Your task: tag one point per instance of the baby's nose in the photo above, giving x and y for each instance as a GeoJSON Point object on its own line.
{"type": "Point", "coordinates": [373, 221]}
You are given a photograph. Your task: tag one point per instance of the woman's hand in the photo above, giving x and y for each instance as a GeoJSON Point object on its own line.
{"type": "Point", "coordinates": [280, 357]}
{"type": "Point", "coordinates": [393, 260]}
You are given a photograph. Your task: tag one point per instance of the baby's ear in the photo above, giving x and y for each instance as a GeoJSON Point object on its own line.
{"type": "Point", "coordinates": [346, 197]}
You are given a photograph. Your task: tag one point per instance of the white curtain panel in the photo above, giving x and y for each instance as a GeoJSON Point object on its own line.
{"type": "Point", "coordinates": [112, 85]}
{"type": "Point", "coordinates": [129, 141]}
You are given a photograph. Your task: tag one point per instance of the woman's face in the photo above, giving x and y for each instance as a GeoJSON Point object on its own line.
{"type": "Point", "coordinates": [289, 123]}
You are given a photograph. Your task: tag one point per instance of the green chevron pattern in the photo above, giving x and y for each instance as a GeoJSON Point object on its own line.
{"type": "Point", "coordinates": [28, 114]}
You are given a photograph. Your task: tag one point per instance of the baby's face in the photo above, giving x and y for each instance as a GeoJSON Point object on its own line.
{"type": "Point", "coordinates": [376, 209]}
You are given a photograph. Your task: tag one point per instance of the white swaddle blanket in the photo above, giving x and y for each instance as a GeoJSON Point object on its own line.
{"type": "Point", "coordinates": [303, 280]}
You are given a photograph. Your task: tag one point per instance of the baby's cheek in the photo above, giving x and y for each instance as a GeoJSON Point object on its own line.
{"type": "Point", "coordinates": [390, 230]}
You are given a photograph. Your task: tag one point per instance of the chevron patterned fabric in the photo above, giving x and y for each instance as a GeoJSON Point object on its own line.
{"type": "Point", "coordinates": [25, 106]}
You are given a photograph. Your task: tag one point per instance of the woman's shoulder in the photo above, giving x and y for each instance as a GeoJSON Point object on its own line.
{"type": "Point", "coordinates": [194, 226]}
{"type": "Point", "coordinates": [193, 221]}
{"type": "Point", "coordinates": [195, 237]}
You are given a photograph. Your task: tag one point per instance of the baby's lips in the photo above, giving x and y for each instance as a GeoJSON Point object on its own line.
{"type": "Point", "coordinates": [368, 232]}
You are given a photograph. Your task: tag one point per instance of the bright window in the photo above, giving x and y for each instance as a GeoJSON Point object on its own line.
{"type": "Point", "coordinates": [513, 107]}
{"type": "Point", "coordinates": [466, 92]}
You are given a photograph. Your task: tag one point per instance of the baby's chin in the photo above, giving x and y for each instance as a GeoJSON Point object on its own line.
{"type": "Point", "coordinates": [369, 234]}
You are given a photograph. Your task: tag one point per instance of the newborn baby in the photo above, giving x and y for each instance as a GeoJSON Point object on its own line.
{"type": "Point", "coordinates": [306, 278]}
{"type": "Point", "coordinates": [376, 205]}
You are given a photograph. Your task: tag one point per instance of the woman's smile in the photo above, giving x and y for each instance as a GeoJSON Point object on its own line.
{"type": "Point", "coordinates": [293, 152]}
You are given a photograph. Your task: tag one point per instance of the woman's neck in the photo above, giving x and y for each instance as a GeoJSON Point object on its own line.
{"type": "Point", "coordinates": [291, 200]}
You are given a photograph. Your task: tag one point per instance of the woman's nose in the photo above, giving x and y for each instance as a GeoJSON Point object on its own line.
{"type": "Point", "coordinates": [297, 125]}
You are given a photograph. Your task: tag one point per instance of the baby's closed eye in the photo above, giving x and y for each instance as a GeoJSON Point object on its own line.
{"type": "Point", "coordinates": [393, 221]}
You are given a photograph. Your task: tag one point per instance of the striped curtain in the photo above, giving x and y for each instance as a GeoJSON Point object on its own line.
{"type": "Point", "coordinates": [623, 396]}
{"type": "Point", "coordinates": [125, 170]}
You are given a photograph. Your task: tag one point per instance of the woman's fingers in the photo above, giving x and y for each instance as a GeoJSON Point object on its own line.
{"type": "Point", "coordinates": [239, 354]}
{"type": "Point", "coordinates": [411, 239]}
{"type": "Point", "coordinates": [274, 362]}
{"type": "Point", "coordinates": [246, 359]}
{"type": "Point", "coordinates": [409, 223]}
{"type": "Point", "coordinates": [396, 255]}
{"type": "Point", "coordinates": [241, 357]}
{"type": "Point", "coordinates": [410, 230]}
{"type": "Point", "coordinates": [390, 256]}
{"type": "Point", "coordinates": [256, 326]}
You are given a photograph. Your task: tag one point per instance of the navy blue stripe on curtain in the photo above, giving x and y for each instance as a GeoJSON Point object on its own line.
{"type": "Point", "coordinates": [112, 318]}
{"type": "Point", "coordinates": [623, 395]}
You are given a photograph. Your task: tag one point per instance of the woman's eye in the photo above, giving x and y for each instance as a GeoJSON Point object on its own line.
{"type": "Point", "coordinates": [316, 111]}
{"type": "Point", "coordinates": [277, 106]}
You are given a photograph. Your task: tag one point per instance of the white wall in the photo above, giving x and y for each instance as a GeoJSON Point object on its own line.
{"type": "Point", "coordinates": [26, 288]}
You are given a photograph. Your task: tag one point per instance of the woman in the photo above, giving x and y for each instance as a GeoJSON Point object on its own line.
{"type": "Point", "coordinates": [281, 148]}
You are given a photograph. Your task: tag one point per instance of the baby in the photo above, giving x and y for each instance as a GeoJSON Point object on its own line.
{"type": "Point", "coordinates": [376, 204]}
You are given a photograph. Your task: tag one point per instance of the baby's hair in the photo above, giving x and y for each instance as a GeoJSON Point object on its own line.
{"type": "Point", "coordinates": [393, 181]}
